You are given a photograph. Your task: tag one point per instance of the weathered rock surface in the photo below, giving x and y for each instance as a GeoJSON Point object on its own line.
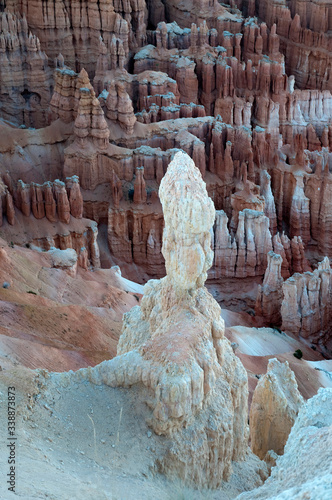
{"type": "Point", "coordinates": [274, 408]}
{"type": "Point", "coordinates": [74, 29]}
{"type": "Point", "coordinates": [304, 470]}
{"type": "Point", "coordinates": [306, 306]}
{"type": "Point", "coordinates": [246, 253]}
{"type": "Point", "coordinates": [174, 343]}
{"type": "Point", "coordinates": [25, 74]}
{"type": "Point", "coordinates": [269, 298]}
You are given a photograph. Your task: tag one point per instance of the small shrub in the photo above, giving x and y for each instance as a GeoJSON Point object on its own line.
{"type": "Point", "coordinates": [30, 291]}
{"type": "Point", "coordinates": [298, 354]}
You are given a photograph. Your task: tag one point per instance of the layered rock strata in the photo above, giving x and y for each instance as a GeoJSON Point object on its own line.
{"type": "Point", "coordinates": [246, 253]}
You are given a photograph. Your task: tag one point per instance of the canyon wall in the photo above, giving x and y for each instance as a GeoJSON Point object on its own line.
{"type": "Point", "coordinates": [117, 89]}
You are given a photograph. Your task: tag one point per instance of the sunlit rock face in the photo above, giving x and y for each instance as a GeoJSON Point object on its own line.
{"type": "Point", "coordinates": [189, 215]}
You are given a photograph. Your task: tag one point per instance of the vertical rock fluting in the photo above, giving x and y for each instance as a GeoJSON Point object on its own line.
{"type": "Point", "coordinates": [39, 200]}
{"type": "Point", "coordinates": [244, 254]}
{"type": "Point", "coordinates": [63, 207]}
{"type": "Point", "coordinates": [75, 196]}
{"type": "Point", "coordinates": [174, 344]}
{"type": "Point", "coordinates": [269, 296]}
{"type": "Point", "coordinates": [25, 74]}
{"type": "Point", "coordinates": [74, 28]}
{"type": "Point", "coordinates": [119, 107]}
{"type": "Point", "coordinates": [6, 205]}
{"type": "Point", "coordinates": [139, 186]}
{"type": "Point", "coordinates": [306, 306]}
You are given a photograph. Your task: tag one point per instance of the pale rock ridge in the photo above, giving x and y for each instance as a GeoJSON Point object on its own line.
{"type": "Point", "coordinates": [269, 297]}
{"type": "Point", "coordinates": [244, 254]}
{"type": "Point", "coordinates": [174, 344]}
{"type": "Point", "coordinates": [306, 307]}
{"type": "Point", "coordinates": [274, 408]}
{"type": "Point", "coordinates": [304, 471]}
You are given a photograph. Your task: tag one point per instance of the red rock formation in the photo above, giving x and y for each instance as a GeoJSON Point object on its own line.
{"type": "Point", "coordinates": [75, 31]}
{"type": "Point", "coordinates": [10, 209]}
{"type": "Point", "coordinates": [25, 76]}
{"type": "Point", "coordinates": [23, 194]}
{"type": "Point", "coordinates": [6, 205]}
{"type": "Point", "coordinates": [50, 203]}
{"type": "Point", "coordinates": [119, 107]}
{"type": "Point", "coordinates": [75, 196]}
{"type": "Point", "coordinates": [134, 236]}
{"type": "Point", "coordinates": [269, 205]}
{"type": "Point", "coordinates": [66, 96]}
{"type": "Point", "coordinates": [139, 186]}
{"type": "Point", "coordinates": [247, 197]}
{"type": "Point", "coordinates": [304, 40]}
{"type": "Point", "coordinates": [37, 201]}
{"type": "Point", "coordinates": [63, 207]}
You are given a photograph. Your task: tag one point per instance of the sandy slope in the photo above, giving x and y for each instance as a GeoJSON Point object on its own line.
{"type": "Point", "coordinates": [80, 441]}
{"type": "Point", "coordinates": [49, 319]}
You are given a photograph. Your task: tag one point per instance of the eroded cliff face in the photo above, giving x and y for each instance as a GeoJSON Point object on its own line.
{"type": "Point", "coordinates": [74, 28]}
{"type": "Point", "coordinates": [26, 81]}
{"type": "Point", "coordinates": [133, 83]}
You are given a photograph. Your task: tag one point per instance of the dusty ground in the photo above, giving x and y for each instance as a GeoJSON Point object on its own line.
{"type": "Point", "coordinates": [80, 441]}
